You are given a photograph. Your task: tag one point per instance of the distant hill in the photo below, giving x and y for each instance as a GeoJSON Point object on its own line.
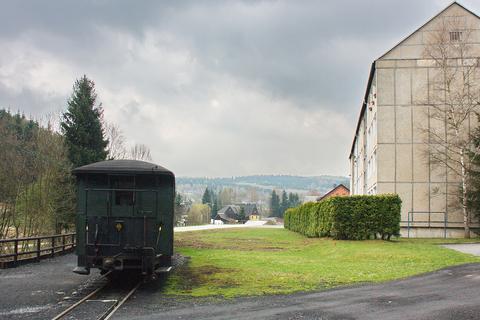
{"type": "Point", "coordinates": [319, 183]}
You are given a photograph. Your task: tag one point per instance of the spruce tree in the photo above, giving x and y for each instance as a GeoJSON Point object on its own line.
{"type": "Point", "coordinates": [274, 205]}
{"type": "Point", "coordinates": [207, 197]}
{"type": "Point", "coordinates": [293, 200]}
{"type": "Point", "coordinates": [215, 206]}
{"type": "Point", "coordinates": [241, 215]}
{"type": "Point", "coordinates": [82, 125]}
{"type": "Point", "coordinates": [284, 204]}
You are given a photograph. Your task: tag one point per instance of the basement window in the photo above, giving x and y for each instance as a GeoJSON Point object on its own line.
{"type": "Point", "coordinates": [455, 35]}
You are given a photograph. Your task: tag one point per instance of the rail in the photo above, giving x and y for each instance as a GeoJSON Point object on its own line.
{"type": "Point", "coordinates": [22, 250]}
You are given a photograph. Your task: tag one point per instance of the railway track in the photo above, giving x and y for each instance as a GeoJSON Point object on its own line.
{"type": "Point", "coordinates": [101, 303]}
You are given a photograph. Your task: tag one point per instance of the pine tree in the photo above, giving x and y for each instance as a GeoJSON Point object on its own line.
{"type": "Point", "coordinates": [207, 197]}
{"type": "Point", "coordinates": [274, 205]}
{"type": "Point", "coordinates": [215, 206]}
{"type": "Point", "coordinates": [82, 125]}
{"type": "Point", "coordinates": [284, 205]}
{"type": "Point", "coordinates": [293, 200]}
{"type": "Point", "coordinates": [241, 215]}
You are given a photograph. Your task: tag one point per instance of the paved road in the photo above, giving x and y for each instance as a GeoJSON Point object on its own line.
{"type": "Point", "coordinates": [452, 293]}
{"type": "Point", "coordinates": [38, 290]}
{"type": "Point", "coordinates": [470, 248]}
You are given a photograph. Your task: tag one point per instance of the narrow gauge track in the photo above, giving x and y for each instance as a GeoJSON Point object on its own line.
{"type": "Point", "coordinates": [100, 304]}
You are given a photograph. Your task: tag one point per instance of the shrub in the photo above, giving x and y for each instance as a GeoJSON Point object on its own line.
{"type": "Point", "coordinates": [354, 217]}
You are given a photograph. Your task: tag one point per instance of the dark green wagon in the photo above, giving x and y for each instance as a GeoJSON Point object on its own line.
{"type": "Point", "coordinates": [124, 216]}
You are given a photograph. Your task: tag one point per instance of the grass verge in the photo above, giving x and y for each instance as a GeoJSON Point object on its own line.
{"type": "Point", "coordinates": [239, 262]}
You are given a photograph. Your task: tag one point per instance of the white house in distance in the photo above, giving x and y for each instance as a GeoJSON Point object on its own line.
{"type": "Point", "coordinates": [389, 153]}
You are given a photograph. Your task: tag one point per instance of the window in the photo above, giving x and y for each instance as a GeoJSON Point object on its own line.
{"type": "Point", "coordinates": [369, 168]}
{"type": "Point", "coordinates": [123, 197]}
{"type": "Point", "coordinates": [455, 35]}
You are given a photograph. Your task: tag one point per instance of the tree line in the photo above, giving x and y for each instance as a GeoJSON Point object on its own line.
{"type": "Point", "coordinates": [278, 205]}
{"type": "Point", "coordinates": [217, 200]}
{"type": "Point", "coordinates": [187, 213]}
{"type": "Point", "coordinates": [37, 189]}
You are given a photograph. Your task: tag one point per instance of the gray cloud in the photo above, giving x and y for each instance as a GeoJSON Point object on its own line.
{"type": "Point", "coordinates": [213, 87]}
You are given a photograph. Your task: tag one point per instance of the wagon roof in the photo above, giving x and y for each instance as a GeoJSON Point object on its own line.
{"type": "Point", "coordinates": [122, 166]}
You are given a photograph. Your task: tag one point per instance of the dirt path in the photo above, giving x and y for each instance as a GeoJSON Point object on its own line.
{"type": "Point", "coordinates": [223, 226]}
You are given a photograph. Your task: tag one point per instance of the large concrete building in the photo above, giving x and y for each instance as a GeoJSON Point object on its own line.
{"type": "Point", "coordinates": [390, 150]}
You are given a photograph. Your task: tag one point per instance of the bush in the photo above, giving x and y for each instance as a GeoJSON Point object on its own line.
{"type": "Point", "coordinates": [355, 217]}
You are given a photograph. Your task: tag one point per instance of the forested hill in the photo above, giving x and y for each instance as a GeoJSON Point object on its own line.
{"type": "Point", "coordinates": [320, 183]}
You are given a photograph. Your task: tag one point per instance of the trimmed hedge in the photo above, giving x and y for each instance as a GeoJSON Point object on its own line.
{"type": "Point", "coordinates": [354, 217]}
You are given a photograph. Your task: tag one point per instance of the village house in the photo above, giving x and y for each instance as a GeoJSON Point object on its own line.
{"type": "Point", "coordinates": [251, 211]}
{"type": "Point", "coordinates": [389, 153]}
{"type": "Point", "coordinates": [339, 190]}
{"type": "Point", "coordinates": [230, 214]}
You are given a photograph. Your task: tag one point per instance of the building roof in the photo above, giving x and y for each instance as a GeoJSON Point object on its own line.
{"type": "Point", "coordinates": [372, 68]}
{"type": "Point", "coordinates": [250, 208]}
{"type": "Point", "coordinates": [326, 195]}
{"type": "Point", "coordinates": [123, 166]}
{"type": "Point", "coordinates": [234, 208]}
{"type": "Point", "coordinates": [223, 216]}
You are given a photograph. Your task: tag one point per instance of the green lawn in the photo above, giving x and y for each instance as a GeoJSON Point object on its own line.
{"type": "Point", "coordinates": [235, 262]}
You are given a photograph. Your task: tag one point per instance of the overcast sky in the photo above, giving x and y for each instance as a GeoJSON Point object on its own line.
{"type": "Point", "coordinates": [214, 88]}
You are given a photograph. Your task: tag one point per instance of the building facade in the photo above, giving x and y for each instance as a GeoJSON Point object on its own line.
{"type": "Point", "coordinates": [390, 150]}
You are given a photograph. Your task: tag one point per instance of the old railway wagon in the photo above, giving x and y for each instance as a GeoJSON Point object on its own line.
{"type": "Point", "coordinates": [124, 216]}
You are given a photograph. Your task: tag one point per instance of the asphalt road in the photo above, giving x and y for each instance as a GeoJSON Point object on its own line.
{"type": "Point", "coordinates": [452, 293]}
{"type": "Point", "coordinates": [41, 290]}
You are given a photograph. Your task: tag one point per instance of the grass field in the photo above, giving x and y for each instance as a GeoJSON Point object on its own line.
{"type": "Point", "coordinates": [236, 262]}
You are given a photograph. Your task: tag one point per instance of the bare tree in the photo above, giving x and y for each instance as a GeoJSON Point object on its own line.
{"type": "Point", "coordinates": [116, 142]}
{"type": "Point", "coordinates": [140, 152]}
{"type": "Point", "coordinates": [453, 105]}
{"type": "Point", "coordinates": [36, 188]}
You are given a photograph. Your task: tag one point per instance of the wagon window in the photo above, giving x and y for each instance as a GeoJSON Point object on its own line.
{"type": "Point", "coordinates": [122, 182]}
{"type": "Point", "coordinates": [123, 197]}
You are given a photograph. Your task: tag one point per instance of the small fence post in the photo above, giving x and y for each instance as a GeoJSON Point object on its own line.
{"type": "Point", "coordinates": [445, 225]}
{"type": "Point", "coordinates": [53, 247]}
{"type": "Point", "coordinates": [39, 248]}
{"type": "Point", "coordinates": [74, 240]}
{"type": "Point", "coordinates": [408, 224]}
{"type": "Point", "coordinates": [63, 242]}
{"type": "Point", "coordinates": [15, 252]}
